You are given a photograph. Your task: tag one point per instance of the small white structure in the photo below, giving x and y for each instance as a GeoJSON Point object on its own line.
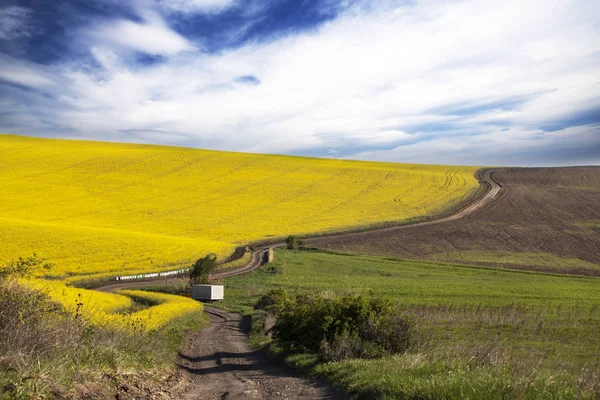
{"type": "Point", "coordinates": [207, 292]}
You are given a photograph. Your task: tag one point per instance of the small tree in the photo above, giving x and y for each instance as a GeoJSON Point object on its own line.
{"type": "Point", "coordinates": [293, 243]}
{"type": "Point", "coordinates": [202, 268]}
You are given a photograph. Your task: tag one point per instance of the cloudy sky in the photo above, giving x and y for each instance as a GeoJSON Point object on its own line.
{"type": "Point", "coordinates": [432, 81]}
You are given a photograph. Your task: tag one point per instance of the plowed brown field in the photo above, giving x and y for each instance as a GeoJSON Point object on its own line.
{"type": "Point", "coordinates": [544, 219]}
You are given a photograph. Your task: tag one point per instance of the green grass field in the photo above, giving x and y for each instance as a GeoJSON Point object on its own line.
{"type": "Point", "coordinates": [481, 332]}
{"type": "Point", "coordinates": [551, 261]}
{"type": "Point", "coordinates": [414, 282]}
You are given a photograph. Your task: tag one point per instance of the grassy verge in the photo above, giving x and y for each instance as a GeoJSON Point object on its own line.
{"type": "Point", "coordinates": [46, 352]}
{"type": "Point", "coordinates": [482, 332]}
{"type": "Point", "coordinates": [411, 282]}
{"type": "Point", "coordinates": [236, 260]}
{"type": "Point", "coordinates": [549, 262]}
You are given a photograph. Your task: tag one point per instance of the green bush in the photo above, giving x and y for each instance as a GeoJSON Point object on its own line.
{"type": "Point", "coordinates": [347, 327]}
{"type": "Point", "coordinates": [200, 273]}
{"type": "Point", "coordinates": [293, 243]}
{"type": "Point", "coordinates": [272, 299]}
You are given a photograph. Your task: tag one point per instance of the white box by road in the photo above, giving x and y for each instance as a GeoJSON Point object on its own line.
{"type": "Point", "coordinates": [207, 292]}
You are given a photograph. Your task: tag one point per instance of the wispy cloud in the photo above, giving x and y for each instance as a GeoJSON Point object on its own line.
{"type": "Point", "coordinates": [24, 73]}
{"type": "Point", "coordinates": [193, 6]}
{"type": "Point", "coordinates": [468, 82]}
{"type": "Point", "coordinates": [152, 35]}
{"type": "Point", "coordinates": [14, 22]}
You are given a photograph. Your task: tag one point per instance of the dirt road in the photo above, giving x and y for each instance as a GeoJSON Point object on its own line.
{"type": "Point", "coordinates": [256, 260]}
{"type": "Point", "coordinates": [491, 190]}
{"type": "Point", "coordinates": [222, 366]}
{"type": "Point", "coordinates": [543, 219]}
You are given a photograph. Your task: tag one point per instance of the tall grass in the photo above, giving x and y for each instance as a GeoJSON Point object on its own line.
{"type": "Point", "coordinates": [46, 352]}
{"type": "Point", "coordinates": [484, 352]}
{"type": "Point", "coordinates": [478, 333]}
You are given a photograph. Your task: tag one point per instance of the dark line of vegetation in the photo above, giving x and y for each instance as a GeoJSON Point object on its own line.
{"type": "Point", "coordinates": [338, 328]}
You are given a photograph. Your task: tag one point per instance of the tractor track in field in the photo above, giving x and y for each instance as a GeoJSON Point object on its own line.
{"type": "Point", "coordinates": [258, 258]}
{"type": "Point", "coordinates": [542, 220]}
{"type": "Point", "coordinates": [218, 361]}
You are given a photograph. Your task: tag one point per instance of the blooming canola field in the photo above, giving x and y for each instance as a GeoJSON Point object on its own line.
{"type": "Point", "coordinates": [118, 310]}
{"type": "Point", "coordinates": [98, 209]}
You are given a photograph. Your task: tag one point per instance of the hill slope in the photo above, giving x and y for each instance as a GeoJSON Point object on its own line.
{"type": "Point", "coordinates": [98, 209]}
{"type": "Point", "coordinates": [545, 219]}
{"type": "Point", "coordinates": [480, 332]}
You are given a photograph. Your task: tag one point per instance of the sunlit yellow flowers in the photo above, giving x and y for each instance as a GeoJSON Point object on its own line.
{"type": "Point", "coordinates": [120, 311]}
{"type": "Point", "coordinates": [104, 209]}
{"type": "Point", "coordinates": [97, 210]}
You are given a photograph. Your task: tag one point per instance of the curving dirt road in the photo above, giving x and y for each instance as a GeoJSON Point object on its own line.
{"type": "Point", "coordinates": [543, 220]}
{"type": "Point", "coordinates": [490, 192]}
{"type": "Point", "coordinates": [257, 259]}
{"type": "Point", "coordinates": [220, 363]}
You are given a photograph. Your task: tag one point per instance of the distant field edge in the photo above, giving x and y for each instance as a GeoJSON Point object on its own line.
{"type": "Point", "coordinates": [452, 208]}
{"type": "Point", "coordinates": [486, 184]}
{"type": "Point", "coordinates": [478, 195]}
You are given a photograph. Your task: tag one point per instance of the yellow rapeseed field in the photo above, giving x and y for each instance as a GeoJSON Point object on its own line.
{"type": "Point", "coordinates": [114, 310]}
{"type": "Point", "coordinates": [98, 209]}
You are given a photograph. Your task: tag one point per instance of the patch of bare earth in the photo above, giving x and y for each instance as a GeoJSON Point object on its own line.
{"type": "Point", "coordinates": [220, 365]}
{"type": "Point", "coordinates": [540, 216]}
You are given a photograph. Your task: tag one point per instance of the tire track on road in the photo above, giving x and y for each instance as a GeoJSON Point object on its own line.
{"type": "Point", "coordinates": [220, 363]}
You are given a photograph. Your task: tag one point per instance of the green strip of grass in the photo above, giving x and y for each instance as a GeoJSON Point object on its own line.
{"type": "Point", "coordinates": [411, 282]}
{"type": "Point", "coordinates": [550, 261]}
{"type": "Point", "coordinates": [481, 332]}
{"type": "Point", "coordinates": [240, 262]}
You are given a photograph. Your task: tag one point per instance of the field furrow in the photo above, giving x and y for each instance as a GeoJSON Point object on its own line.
{"type": "Point", "coordinates": [96, 208]}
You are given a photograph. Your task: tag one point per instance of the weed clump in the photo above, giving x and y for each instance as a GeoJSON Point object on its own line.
{"type": "Point", "coordinates": [275, 269]}
{"type": "Point", "coordinates": [338, 328]}
{"type": "Point", "coordinates": [273, 299]}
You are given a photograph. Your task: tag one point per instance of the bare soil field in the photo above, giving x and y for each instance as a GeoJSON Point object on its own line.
{"type": "Point", "coordinates": [543, 219]}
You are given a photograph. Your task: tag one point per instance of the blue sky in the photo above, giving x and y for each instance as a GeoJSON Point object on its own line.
{"type": "Point", "coordinates": [432, 81]}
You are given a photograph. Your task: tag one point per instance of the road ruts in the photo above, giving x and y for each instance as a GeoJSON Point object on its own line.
{"type": "Point", "coordinates": [218, 359]}
{"type": "Point", "coordinates": [222, 366]}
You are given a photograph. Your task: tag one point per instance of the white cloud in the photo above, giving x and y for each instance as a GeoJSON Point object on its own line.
{"type": "Point", "coordinates": [14, 22]}
{"type": "Point", "coordinates": [152, 36]}
{"type": "Point", "coordinates": [192, 6]}
{"type": "Point", "coordinates": [376, 77]}
{"type": "Point", "coordinates": [23, 73]}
